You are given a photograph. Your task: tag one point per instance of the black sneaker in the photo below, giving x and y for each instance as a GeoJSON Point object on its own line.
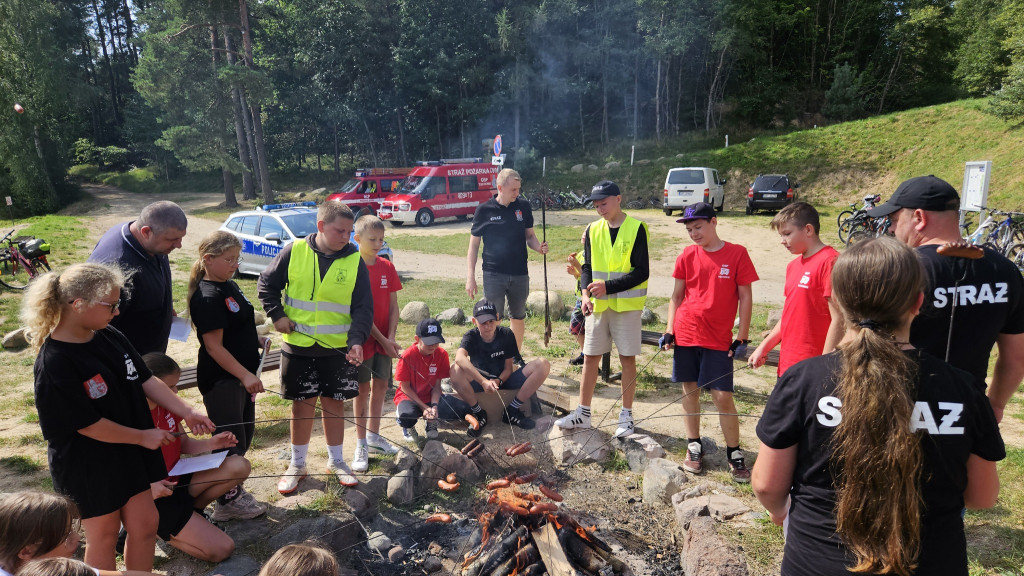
{"type": "Point", "coordinates": [122, 537]}
{"type": "Point", "coordinates": [738, 468]}
{"type": "Point", "coordinates": [481, 417]}
{"type": "Point", "coordinates": [577, 361]}
{"type": "Point", "coordinates": [516, 416]}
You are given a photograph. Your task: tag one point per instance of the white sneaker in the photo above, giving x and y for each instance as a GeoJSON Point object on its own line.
{"type": "Point", "coordinates": [380, 447]}
{"type": "Point", "coordinates": [361, 460]}
{"type": "Point", "coordinates": [409, 435]}
{"type": "Point", "coordinates": [574, 419]}
{"type": "Point", "coordinates": [625, 424]}
{"type": "Point", "coordinates": [343, 472]}
{"type": "Point", "coordinates": [289, 481]}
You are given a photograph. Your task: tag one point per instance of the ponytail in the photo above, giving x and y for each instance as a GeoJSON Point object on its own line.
{"type": "Point", "coordinates": [47, 295]}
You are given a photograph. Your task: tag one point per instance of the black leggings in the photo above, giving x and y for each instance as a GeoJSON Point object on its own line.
{"type": "Point", "coordinates": [227, 402]}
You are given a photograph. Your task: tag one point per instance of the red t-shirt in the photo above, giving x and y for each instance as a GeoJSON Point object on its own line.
{"type": "Point", "coordinates": [805, 315]}
{"type": "Point", "coordinates": [383, 281]}
{"type": "Point", "coordinates": [706, 315]}
{"type": "Point", "coordinates": [422, 372]}
{"type": "Point", "coordinates": [164, 420]}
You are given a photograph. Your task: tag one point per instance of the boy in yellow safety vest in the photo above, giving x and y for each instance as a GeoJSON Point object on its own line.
{"type": "Point", "coordinates": [613, 282]}
{"type": "Point", "coordinates": [317, 292]}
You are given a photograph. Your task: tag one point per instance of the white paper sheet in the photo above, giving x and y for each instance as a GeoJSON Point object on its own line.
{"type": "Point", "coordinates": [180, 329]}
{"type": "Point", "coordinates": [198, 464]}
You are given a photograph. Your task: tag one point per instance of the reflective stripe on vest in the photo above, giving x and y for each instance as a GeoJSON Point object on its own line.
{"type": "Point", "coordinates": [319, 308]}
{"type": "Point", "coordinates": [612, 261]}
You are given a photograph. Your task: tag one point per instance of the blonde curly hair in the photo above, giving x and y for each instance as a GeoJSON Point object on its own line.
{"type": "Point", "coordinates": [45, 298]}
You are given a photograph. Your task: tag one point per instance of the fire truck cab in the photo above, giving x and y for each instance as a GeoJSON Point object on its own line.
{"type": "Point", "coordinates": [440, 189]}
{"type": "Point", "coordinates": [369, 187]}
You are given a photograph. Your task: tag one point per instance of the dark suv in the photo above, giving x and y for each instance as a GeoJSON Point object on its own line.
{"type": "Point", "coordinates": [770, 192]}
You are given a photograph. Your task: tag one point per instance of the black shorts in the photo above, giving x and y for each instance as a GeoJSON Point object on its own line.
{"type": "Point", "coordinates": [175, 510]}
{"type": "Point", "coordinates": [305, 377]}
{"type": "Point", "coordinates": [710, 369]}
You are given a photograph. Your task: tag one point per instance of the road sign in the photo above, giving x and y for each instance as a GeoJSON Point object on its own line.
{"type": "Point", "coordinates": [498, 160]}
{"type": "Point", "coordinates": [497, 145]}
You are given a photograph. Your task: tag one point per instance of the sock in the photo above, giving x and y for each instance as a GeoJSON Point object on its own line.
{"type": "Point", "coordinates": [360, 441]}
{"type": "Point", "coordinates": [515, 404]}
{"type": "Point", "coordinates": [229, 496]}
{"type": "Point", "coordinates": [584, 410]}
{"type": "Point", "coordinates": [697, 440]}
{"type": "Point", "coordinates": [730, 450]}
{"type": "Point", "coordinates": [626, 412]}
{"type": "Point", "coordinates": [299, 455]}
{"type": "Point", "coordinates": [371, 437]}
{"type": "Point", "coordinates": [476, 408]}
{"type": "Point", "coordinates": [335, 453]}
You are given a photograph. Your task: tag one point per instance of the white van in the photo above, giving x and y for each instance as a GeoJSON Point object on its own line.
{"type": "Point", "coordinates": [685, 186]}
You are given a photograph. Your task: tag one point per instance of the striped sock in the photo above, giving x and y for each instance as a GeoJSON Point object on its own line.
{"type": "Point", "coordinates": [515, 403]}
{"type": "Point", "coordinates": [584, 410]}
{"type": "Point", "coordinates": [476, 408]}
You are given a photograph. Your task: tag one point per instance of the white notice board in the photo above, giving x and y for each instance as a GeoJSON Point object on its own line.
{"type": "Point", "coordinates": [974, 196]}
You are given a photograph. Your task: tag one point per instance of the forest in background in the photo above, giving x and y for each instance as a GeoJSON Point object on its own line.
{"type": "Point", "coordinates": [250, 89]}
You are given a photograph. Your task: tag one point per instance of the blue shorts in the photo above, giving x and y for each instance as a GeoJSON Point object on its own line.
{"type": "Point", "coordinates": [514, 382]}
{"type": "Point", "coordinates": [710, 369]}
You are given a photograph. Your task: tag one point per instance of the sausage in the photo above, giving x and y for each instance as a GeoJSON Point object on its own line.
{"type": "Point", "coordinates": [476, 450]}
{"type": "Point", "coordinates": [526, 496]}
{"type": "Point", "coordinates": [551, 494]}
{"type": "Point", "coordinates": [452, 479]}
{"type": "Point", "coordinates": [469, 447]}
{"type": "Point", "coordinates": [473, 421]}
{"type": "Point", "coordinates": [493, 498]}
{"type": "Point", "coordinates": [513, 509]}
{"type": "Point", "coordinates": [545, 507]}
{"type": "Point", "coordinates": [499, 483]}
{"type": "Point", "coordinates": [448, 486]}
{"type": "Point", "coordinates": [521, 449]}
{"type": "Point", "coordinates": [512, 448]}
{"type": "Point", "coordinates": [960, 250]}
{"type": "Point", "coordinates": [442, 518]}
{"type": "Point", "coordinates": [525, 479]}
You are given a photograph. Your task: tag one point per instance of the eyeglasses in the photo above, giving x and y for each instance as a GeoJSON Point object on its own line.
{"type": "Point", "coordinates": [234, 261]}
{"type": "Point", "coordinates": [113, 307]}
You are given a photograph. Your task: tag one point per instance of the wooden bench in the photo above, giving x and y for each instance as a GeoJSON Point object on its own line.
{"type": "Point", "coordinates": [650, 338]}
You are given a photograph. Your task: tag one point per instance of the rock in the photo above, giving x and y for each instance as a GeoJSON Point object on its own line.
{"type": "Point", "coordinates": [609, 165]}
{"type": "Point", "coordinates": [15, 339]}
{"type": "Point", "coordinates": [465, 469]}
{"type": "Point", "coordinates": [247, 533]}
{"type": "Point", "coordinates": [406, 459]}
{"type": "Point", "coordinates": [644, 162]}
{"type": "Point", "coordinates": [592, 167]}
{"type": "Point", "coordinates": [452, 316]}
{"type": "Point", "coordinates": [360, 503]}
{"type": "Point", "coordinates": [639, 450]}
{"type": "Point", "coordinates": [379, 542]}
{"type": "Point", "coordinates": [662, 479]}
{"type": "Point", "coordinates": [431, 564]}
{"type": "Point", "coordinates": [415, 312]}
{"type": "Point", "coordinates": [695, 558]}
{"type": "Point", "coordinates": [264, 329]}
{"type": "Point", "coordinates": [535, 304]}
{"type": "Point", "coordinates": [687, 509]}
{"type": "Point", "coordinates": [374, 488]}
{"type": "Point", "coordinates": [578, 446]}
{"type": "Point", "coordinates": [577, 168]}
{"type": "Point", "coordinates": [259, 318]}
{"type": "Point", "coordinates": [774, 317]}
{"type": "Point", "coordinates": [696, 491]}
{"type": "Point", "coordinates": [396, 554]}
{"type": "Point", "coordinates": [337, 532]}
{"type": "Point", "coordinates": [401, 488]}
{"type": "Point", "coordinates": [724, 507]}
{"type": "Point", "coordinates": [236, 566]}
{"type": "Point", "coordinates": [303, 499]}
{"type": "Point", "coordinates": [680, 155]}
{"type": "Point", "coordinates": [431, 468]}
{"type": "Point", "coordinates": [648, 317]}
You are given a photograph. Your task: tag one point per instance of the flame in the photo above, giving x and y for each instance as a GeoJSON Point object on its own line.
{"type": "Point", "coordinates": [582, 533]}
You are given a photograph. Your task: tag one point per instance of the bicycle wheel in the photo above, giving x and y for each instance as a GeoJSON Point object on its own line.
{"type": "Point", "coordinates": [843, 216]}
{"type": "Point", "coordinates": [850, 226]}
{"type": "Point", "coordinates": [535, 203]}
{"type": "Point", "coordinates": [13, 274]}
{"type": "Point", "coordinates": [635, 204]}
{"type": "Point", "coordinates": [1016, 255]}
{"type": "Point", "coordinates": [40, 265]}
{"type": "Point", "coordinates": [859, 236]}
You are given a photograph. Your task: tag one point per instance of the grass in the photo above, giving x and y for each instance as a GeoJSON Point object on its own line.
{"type": "Point", "coordinates": [21, 464]}
{"type": "Point", "coordinates": [996, 536]}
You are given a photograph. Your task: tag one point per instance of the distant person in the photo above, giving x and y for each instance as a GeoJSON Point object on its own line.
{"type": "Point", "coordinates": [301, 560]}
{"type": "Point", "coordinates": [869, 454]}
{"type": "Point", "coordinates": [811, 324]}
{"type": "Point", "coordinates": [140, 248]}
{"type": "Point", "coordinates": [613, 279]}
{"type": "Point", "coordinates": [505, 224]}
{"type": "Point", "coordinates": [713, 281]}
{"type": "Point", "coordinates": [577, 321]}
{"type": "Point", "coordinates": [989, 291]}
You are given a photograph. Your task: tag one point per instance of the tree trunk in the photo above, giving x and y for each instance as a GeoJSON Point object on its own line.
{"type": "Point", "coordinates": [401, 136]}
{"type": "Point", "coordinates": [44, 172]}
{"type": "Point", "coordinates": [369, 140]}
{"type": "Point", "coordinates": [440, 143]}
{"type": "Point", "coordinates": [248, 190]}
{"type": "Point", "coordinates": [657, 105]}
{"type": "Point", "coordinates": [252, 161]}
{"type": "Point", "coordinates": [130, 32]}
{"type": "Point", "coordinates": [892, 74]}
{"type": "Point", "coordinates": [106, 58]}
{"type": "Point", "coordinates": [337, 156]}
{"type": "Point", "coordinates": [709, 118]}
{"type": "Point", "coordinates": [257, 121]}
{"type": "Point", "coordinates": [229, 186]}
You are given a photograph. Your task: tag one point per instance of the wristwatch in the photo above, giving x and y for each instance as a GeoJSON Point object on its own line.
{"type": "Point", "coordinates": [500, 381]}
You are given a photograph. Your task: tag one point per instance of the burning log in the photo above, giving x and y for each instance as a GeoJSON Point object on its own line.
{"type": "Point", "coordinates": [534, 570]}
{"type": "Point", "coordinates": [504, 550]}
{"type": "Point", "coordinates": [583, 555]}
{"type": "Point", "coordinates": [525, 556]}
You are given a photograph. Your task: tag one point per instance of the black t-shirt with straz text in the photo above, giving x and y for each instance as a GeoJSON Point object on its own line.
{"type": "Point", "coordinates": [503, 230]}
{"type": "Point", "coordinates": [222, 306]}
{"type": "Point", "coordinates": [490, 356]}
{"type": "Point", "coordinates": [76, 385]}
{"type": "Point", "coordinates": [990, 302]}
{"type": "Point", "coordinates": [955, 420]}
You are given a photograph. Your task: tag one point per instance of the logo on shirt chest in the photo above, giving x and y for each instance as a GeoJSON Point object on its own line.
{"type": "Point", "coordinates": [805, 282]}
{"type": "Point", "coordinates": [432, 369]}
{"type": "Point", "coordinates": [495, 218]}
{"type": "Point", "coordinates": [383, 281]}
{"type": "Point", "coordinates": [232, 304]}
{"type": "Point", "coordinates": [96, 387]}
{"type": "Point", "coordinates": [725, 272]}
{"type": "Point", "coordinates": [171, 424]}
{"type": "Point", "coordinates": [129, 367]}
{"type": "Point", "coordinates": [519, 215]}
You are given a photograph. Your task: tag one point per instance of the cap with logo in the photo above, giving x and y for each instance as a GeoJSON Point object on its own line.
{"type": "Point", "coordinates": [698, 211]}
{"type": "Point", "coordinates": [604, 189]}
{"type": "Point", "coordinates": [429, 332]}
{"type": "Point", "coordinates": [484, 311]}
{"type": "Point", "coordinates": [923, 192]}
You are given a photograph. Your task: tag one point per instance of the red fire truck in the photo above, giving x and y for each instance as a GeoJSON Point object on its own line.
{"type": "Point", "coordinates": [369, 187]}
{"type": "Point", "coordinates": [440, 189]}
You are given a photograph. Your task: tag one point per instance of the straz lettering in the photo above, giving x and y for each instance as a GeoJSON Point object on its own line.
{"type": "Point", "coordinates": [921, 418]}
{"type": "Point", "coordinates": [983, 294]}
{"type": "Point", "coordinates": [497, 354]}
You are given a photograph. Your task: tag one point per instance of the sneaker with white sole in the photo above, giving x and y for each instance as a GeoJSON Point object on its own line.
{"type": "Point", "coordinates": [381, 447]}
{"type": "Point", "coordinates": [343, 473]}
{"type": "Point", "coordinates": [431, 430]}
{"type": "Point", "coordinates": [693, 462]}
{"type": "Point", "coordinates": [625, 427]}
{"type": "Point", "coordinates": [241, 508]}
{"type": "Point", "coordinates": [574, 419]}
{"type": "Point", "coordinates": [738, 468]}
{"type": "Point", "coordinates": [289, 481]}
{"type": "Point", "coordinates": [361, 460]}
{"type": "Point", "coordinates": [409, 435]}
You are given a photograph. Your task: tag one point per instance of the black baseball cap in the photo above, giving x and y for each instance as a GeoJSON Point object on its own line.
{"type": "Point", "coordinates": [429, 332]}
{"type": "Point", "coordinates": [484, 311]}
{"type": "Point", "coordinates": [923, 192]}
{"type": "Point", "coordinates": [604, 189]}
{"type": "Point", "coordinates": [698, 211]}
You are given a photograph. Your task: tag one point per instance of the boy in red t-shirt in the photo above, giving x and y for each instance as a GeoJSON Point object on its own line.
{"type": "Point", "coordinates": [812, 324]}
{"type": "Point", "coordinates": [713, 279]}
{"type": "Point", "coordinates": [419, 373]}
{"type": "Point", "coordinates": [380, 347]}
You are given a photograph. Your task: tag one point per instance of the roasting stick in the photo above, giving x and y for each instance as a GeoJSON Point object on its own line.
{"type": "Point", "coordinates": [962, 251]}
{"type": "Point", "coordinates": [544, 238]}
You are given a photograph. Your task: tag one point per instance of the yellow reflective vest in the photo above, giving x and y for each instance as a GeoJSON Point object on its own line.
{"type": "Point", "coordinates": [609, 262]}
{"type": "Point", "coordinates": [319, 308]}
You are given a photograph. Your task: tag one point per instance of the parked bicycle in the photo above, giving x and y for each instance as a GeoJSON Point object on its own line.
{"type": "Point", "coordinates": [871, 228]}
{"type": "Point", "coordinates": [641, 203]}
{"type": "Point", "coordinates": [1001, 235]}
{"type": "Point", "coordinates": [22, 260]}
{"type": "Point", "coordinates": [856, 219]}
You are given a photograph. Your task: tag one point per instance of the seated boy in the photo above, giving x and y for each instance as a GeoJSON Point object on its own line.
{"type": "Point", "coordinates": [484, 363]}
{"type": "Point", "coordinates": [420, 370]}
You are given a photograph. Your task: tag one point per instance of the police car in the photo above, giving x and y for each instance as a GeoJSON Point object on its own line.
{"type": "Point", "coordinates": [266, 230]}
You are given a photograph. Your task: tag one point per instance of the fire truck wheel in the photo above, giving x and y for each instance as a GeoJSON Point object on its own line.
{"type": "Point", "coordinates": [424, 217]}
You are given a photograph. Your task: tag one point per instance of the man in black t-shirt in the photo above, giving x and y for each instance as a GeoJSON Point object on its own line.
{"type": "Point", "coordinates": [484, 363]}
{"type": "Point", "coordinates": [989, 292]}
{"type": "Point", "coordinates": [505, 224]}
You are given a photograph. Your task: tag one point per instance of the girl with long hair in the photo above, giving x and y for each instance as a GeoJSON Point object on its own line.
{"type": "Point", "coordinates": [228, 356]}
{"type": "Point", "coordinates": [91, 388]}
{"type": "Point", "coordinates": [869, 454]}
